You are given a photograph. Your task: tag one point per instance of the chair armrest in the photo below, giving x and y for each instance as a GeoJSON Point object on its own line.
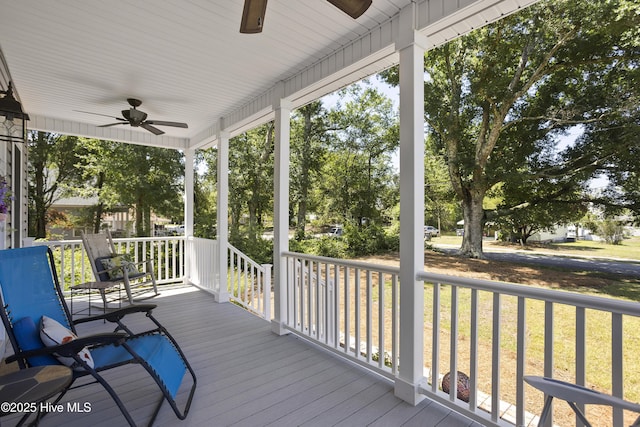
{"type": "Point", "coordinates": [116, 315]}
{"type": "Point", "coordinates": [72, 347]}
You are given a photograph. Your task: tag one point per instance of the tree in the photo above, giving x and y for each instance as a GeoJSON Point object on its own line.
{"type": "Point", "coordinates": [309, 142]}
{"type": "Point", "coordinates": [205, 194]}
{"type": "Point", "coordinates": [146, 178]}
{"type": "Point", "coordinates": [358, 170]}
{"type": "Point", "coordinates": [53, 169]}
{"type": "Point", "coordinates": [440, 199]}
{"type": "Point", "coordinates": [94, 174]}
{"type": "Point", "coordinates": [250, 178]}
{"type": "Point", "coordinates": [612, 146]}
{"type": "Point", "coordinates": [533, 217]}
{"type": "Point", "coordinates": [496, 98]}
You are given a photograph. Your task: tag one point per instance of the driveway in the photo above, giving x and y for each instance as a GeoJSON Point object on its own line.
{"type": "Point", "coordinates": [626, 268]}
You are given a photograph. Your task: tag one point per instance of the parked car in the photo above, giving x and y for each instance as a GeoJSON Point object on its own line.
{"type": "Point", "coordinates": [175, 231]}
{"type": "Point", "coordinates": [431, 231]}
{"type": "Point", "coordinates": [459, 231]}
{"type": "Point", "coordinates": [336, 231]}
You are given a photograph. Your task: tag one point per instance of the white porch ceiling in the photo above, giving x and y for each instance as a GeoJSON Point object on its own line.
{"type": "Point", "coordinates": [187, 61]}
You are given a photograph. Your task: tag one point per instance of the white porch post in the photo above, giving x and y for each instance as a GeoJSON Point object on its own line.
{"type": "Point", "coordinates": [223, 214]}
{"type": "Point", "coordinates": [189, 166]}
{"type": "Point", "coordinates": [280, 214]}
{"type": "Point", "coordinates": [411, 209]}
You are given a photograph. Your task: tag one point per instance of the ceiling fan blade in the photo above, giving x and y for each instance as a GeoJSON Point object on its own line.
{"type": "Point", "coordinates": [98, 114]}
{"type": "Point", "coordinates": [114, 124]}
{"type": "Point", "coordinates": [163, 123]}
{"type": "Point", "coordinates": [151, 129]}
{"type": "Point", "coordinates": [353, 8]}
{"type": "Point", "coordinates": [253, 16]}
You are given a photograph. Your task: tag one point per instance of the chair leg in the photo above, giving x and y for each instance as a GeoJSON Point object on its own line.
{"type": "Point", "coordinates": [114, 396]}
{"type": "Point", "coordinates": [103, 294]}
{"type": "Point", "coordinates": [156, 410]}
{"type": "Point", "coordinates": [153, 276]}
{"type": "Point", "coordinates": [579, 414]}
{"type": "Point", "coordinates": [546, 410]}
{"type": "Point", "coordinates": [127, 288]}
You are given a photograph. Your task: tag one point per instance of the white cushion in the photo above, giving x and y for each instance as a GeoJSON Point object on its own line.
{"type": "Point", "coordinates": [52, 333]}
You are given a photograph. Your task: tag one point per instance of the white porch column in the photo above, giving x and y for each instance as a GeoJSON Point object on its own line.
{"type": "Point", "coordinates": [223, 214]}
{"type": "Point", "coordinates": [189, 166]}
{"type": "Point", "coordinates": [281, 214]}
{"type": "Point", "coordinates": [411, 210]}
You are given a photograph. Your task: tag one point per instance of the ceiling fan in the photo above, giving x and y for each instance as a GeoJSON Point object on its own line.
{"type": "Point", "coordinates": [137, 118]}
{"type": "Point", "coordinates": [254, 11]}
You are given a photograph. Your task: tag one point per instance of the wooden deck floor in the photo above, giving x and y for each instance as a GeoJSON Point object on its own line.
{"type": "Point", "coordinates": [248, 376]}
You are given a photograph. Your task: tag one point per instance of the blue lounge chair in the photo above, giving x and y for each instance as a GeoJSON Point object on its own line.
{"type": "Point", "coordinates": [576, 395]}
{"type": "Point", "coordinates": [31, 296]}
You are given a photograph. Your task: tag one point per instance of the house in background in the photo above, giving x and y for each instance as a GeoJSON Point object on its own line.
{"type": "Point", "coordinates": [120, 221]}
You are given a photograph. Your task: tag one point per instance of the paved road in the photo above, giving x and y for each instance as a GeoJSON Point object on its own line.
{"type": "Point", "coordinates": [629, 269]}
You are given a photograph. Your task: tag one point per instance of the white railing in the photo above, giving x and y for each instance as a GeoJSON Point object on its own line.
{"type": "Point", "coordinates": [203, 263]}
{"type": "Point", "coordinates": [74, 268]}
{"type": "Point", "coordinates": [348, 307]}
{"type": "Point", "coordinates": [485, 329]}
{"type": "Point", "coordinates": [481, 328]}
{"type": "Point", "coordinates": [249, 283]}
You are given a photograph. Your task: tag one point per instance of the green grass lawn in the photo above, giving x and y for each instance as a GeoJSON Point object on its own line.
{"type": "Point", "coordinates": [629, 248]}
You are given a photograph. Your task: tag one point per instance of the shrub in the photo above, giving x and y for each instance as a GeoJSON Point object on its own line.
{"type": "Point", "coordinates": [367, 240]}
{"type": "Point", "coordinates": [258, 249]}
{"type": "Point", "coordinates": [611, 231]}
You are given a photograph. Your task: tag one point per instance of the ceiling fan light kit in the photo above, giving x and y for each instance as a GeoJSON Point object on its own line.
{"type": "Point", "coordinates": [254, 11]}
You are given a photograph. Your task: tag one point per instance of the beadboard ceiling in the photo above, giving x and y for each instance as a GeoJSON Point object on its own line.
{"type": "Point", "coordinates": [187, 61]}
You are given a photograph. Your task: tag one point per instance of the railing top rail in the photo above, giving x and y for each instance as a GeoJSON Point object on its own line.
{"type": "Point", "coordinates": [551, 295]}
{"type": "Point", "coordinates": [118, 239]}
{"type": "Point", "coordinates": [253, 263]}
{"type": "Point", "coordinates": [345, 263]}
{"type": "Point", "coordinates": [147, 239]}
{"type": "Point", "coordinates": [56, 242]}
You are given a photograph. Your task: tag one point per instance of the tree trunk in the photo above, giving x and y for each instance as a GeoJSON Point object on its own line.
{"type": "Point", "coordinates": [473, 214]}
{"type": "Point", "coordinates": [97, 219]}
{"type": "Point", "coordinates": [304, 174]}
{"type": "Point", "coordinates": [100, 207]}
{"type": "Point", "coordinates": [147, 221]}
{"type": "Point", "coordinates": [139, 217]}
{"type": "Point", "coordinates": [40, 206]}
{"type": "Point", "coordinates": [41, 223]}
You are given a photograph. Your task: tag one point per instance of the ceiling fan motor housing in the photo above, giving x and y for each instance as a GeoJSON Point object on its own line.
{"type": "Point", "coordinates": [135, 117]}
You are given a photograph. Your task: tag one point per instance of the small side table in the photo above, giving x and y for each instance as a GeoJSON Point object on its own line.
{"type": "Point", "coordinates": [89, 288]}
{"type": "Point", "coordinates": [33, 385]}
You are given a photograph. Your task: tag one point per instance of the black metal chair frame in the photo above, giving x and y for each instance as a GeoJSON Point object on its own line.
{"type": "Point", "coordinates": [121, 335]}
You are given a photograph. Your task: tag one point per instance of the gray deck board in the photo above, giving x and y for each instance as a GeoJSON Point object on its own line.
{"type": "Point", "coordinates": [247, 376]}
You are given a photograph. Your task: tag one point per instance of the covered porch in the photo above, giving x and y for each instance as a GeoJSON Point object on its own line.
{"type": "Point", "coordinates": [224, 85]}
{"type": "Point", "coordinates": [349, 312]}
{"type": "Point", "coordinates": [248, 376]}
